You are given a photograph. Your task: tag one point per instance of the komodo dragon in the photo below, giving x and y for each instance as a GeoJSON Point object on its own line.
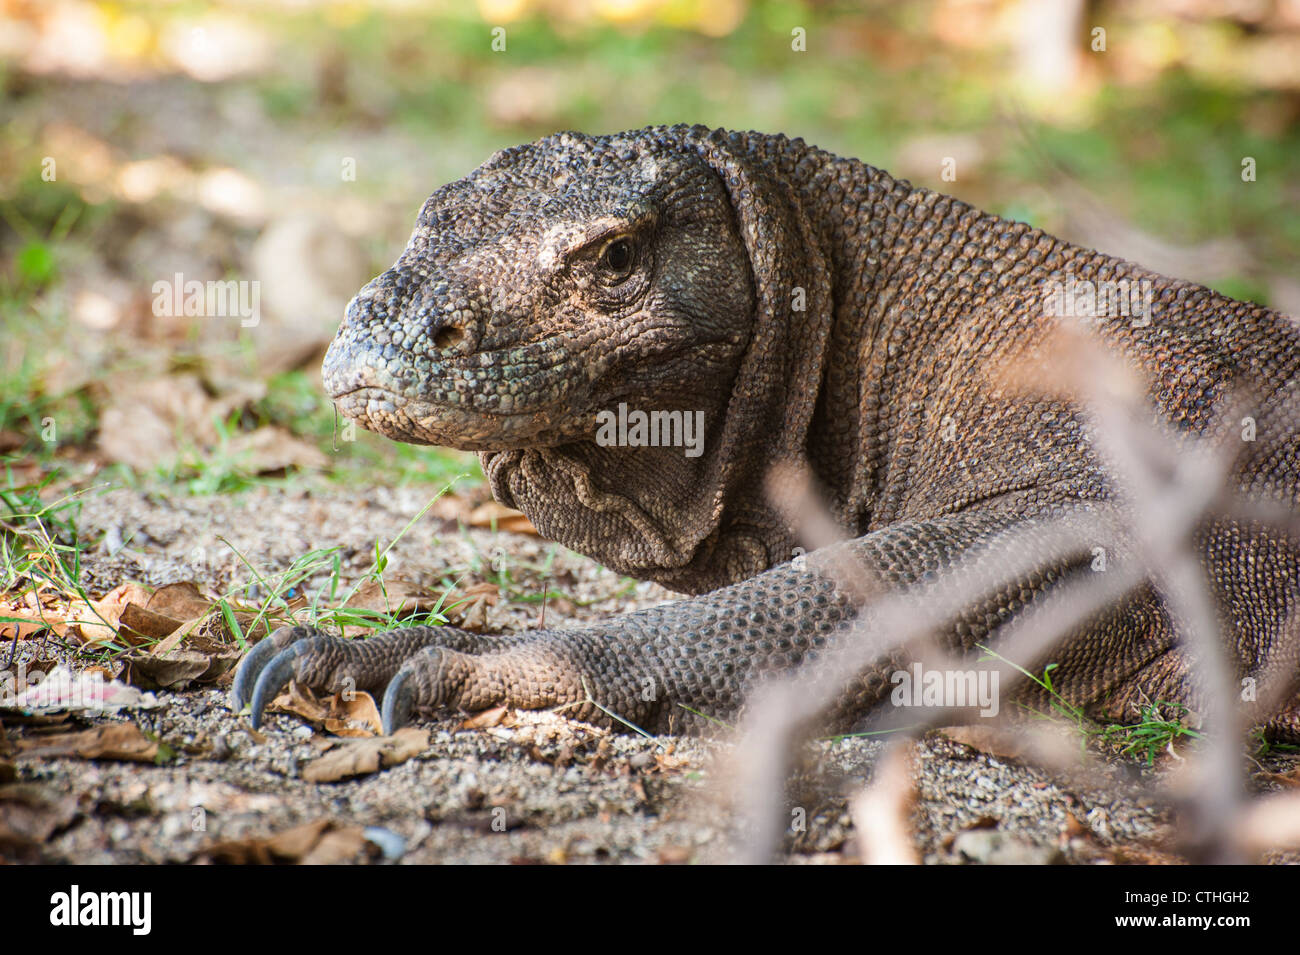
{"type": "Point", "coordinates": [818, 312]}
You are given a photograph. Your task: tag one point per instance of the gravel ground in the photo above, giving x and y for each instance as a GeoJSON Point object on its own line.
{"type": "Point", "coordinates": [537, 787]}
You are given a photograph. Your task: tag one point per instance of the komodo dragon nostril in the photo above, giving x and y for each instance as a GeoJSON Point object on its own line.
{"type": "Point", "coordinates": [448, 337]}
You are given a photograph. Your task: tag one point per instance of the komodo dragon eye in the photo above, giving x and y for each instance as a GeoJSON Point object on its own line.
{"type": "Point", "coordinates": [618, 257]}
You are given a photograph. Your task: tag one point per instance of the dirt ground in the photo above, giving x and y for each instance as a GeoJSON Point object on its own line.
{"type": "Point", "coordinates": [535, 787]}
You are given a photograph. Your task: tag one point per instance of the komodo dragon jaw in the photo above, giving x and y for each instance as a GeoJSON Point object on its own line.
{"type": "Point", "coordinates": [821, 314]}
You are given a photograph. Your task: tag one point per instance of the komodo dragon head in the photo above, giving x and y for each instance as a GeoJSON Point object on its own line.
{"type": "Point", "coordinates": [563, 278]}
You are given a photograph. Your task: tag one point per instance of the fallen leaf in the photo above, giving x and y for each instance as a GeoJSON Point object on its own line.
{"type": "Point", "coordinates": [97, 621]}
{"type": "Point", "coordinates": [29, 814]}
{"type": "Point", "coordinates": [355, 717]}
{"type": "Point", "coordinates": [1290, 780]}
{"type": "Point", "coordinates": [314, 843]}
{"type": "Point", "coordinates": [120, 741]}
{"type": "Point", "coordinates": [391, 595]}
{"type": "Point", "coordinates": [271, 449]}
{"type": "Point", "coordinates": [141, 424]}
{"type": "Point", "coordinates": [180, 601]}
{"type": "Point", "coordinates": [675, 855]}
{"type": "Point", "coordinates": [468, 608]}
{"type": "Point", "coordinates": [986, 739]}
{"type": "Point", "coordinates": [363, 756]}
{"type": "Point", "coordinates": [33, 626]}
{"type": "Point", "coordinates": [299, 700]}
{"type": "Point", "coordinates": [144, 626]}
{"type": "Point", "coordinates": [494, 514]}
{"type": "Point", "coordinates": [485, 719]}
{"type": "Point", "coordinates": [252, 624]}
{"type": "Point", "coordinates": [151, 422]}
{"type": "Point", "coordinates": [39, 609]}
{"type": "Point", "coordinates": [175, 669]}
{"type": "Point", "coordinates": [177, 636]}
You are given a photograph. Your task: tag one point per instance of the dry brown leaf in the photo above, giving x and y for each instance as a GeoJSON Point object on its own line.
{"type": "Point", "coordinates": [484, 590]}
{"type": "Point", "coordinates": [356, 717]}
{"type": "Point", "coordinates": [467, 609]}
{"type": "Point", "coordinates": [122, 741]}
{"type": "Point", "coordinates": [270, 449]}
{"type": "Point", "coordinates": [148, 423]}
{"type": "Point", "coordinates": [493, 514]}
{"type": "Point", "coordinates": [97, 621]}
{"type": "Point", "coordinates": [32, 626]}
{"type": "Point", "coordinates": [1289, 780]}
{"type": "Point", "coordinates": [299, 700]}
{"type": "Point", "coordinates": [392, 595]}
{"type": "Point", "coordinates": [986, 739]}
{"type": "Point", "coordinates": [338, 846]}
{"type": "Point", "coordinates": [141, 424]}
{"type": "Point", "coordinates": [30, 814]}
{"type": "Point", "coordinates": [314, 843]}
{"type": "Point", "coordinates": [253, 625]}
{"type": "Point", "coordinates": [485, 719]}
{"type": "Point", "coordinates": [202, 660]}
{"type": "Point", "coordinates": [178, 668]}
{"type": "Point", "coordinates": [137, 624]}
{"type": "Point", "coordinates": [41, 608]}
{"type": "Point", "coordinates": [360, 757]}
{"type": "Point", "coordinates": [297, 842]}
{"type": "Point", "coordinates": [180, 601]}
{"type": "Point", "coordinates": [174, 639]}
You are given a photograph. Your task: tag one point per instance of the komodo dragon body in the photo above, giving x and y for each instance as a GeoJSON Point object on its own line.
{"type": "Point", "coordinates": [818, 313]}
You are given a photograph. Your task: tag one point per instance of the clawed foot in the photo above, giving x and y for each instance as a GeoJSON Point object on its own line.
{"type": "Point", "coordinates": [415, 669]}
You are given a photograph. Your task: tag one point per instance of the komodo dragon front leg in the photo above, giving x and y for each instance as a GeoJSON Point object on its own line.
{"type": "Point", "coordinates": [658, 667]}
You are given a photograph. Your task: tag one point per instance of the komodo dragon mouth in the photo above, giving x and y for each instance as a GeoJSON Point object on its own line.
{"type": "Point", "coordinates": [506, 399]}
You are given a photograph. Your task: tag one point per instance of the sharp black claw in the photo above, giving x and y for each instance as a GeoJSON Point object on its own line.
{"type": "Point", "coordinates": [241, 692]}
{"type": "Point", "coordinates": [399, 697]}
{"type": "Point", "coordinates": [272, 680]}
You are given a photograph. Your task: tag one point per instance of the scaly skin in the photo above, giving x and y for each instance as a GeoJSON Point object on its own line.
{"type": "Point", "coordinates": [817, 312]}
